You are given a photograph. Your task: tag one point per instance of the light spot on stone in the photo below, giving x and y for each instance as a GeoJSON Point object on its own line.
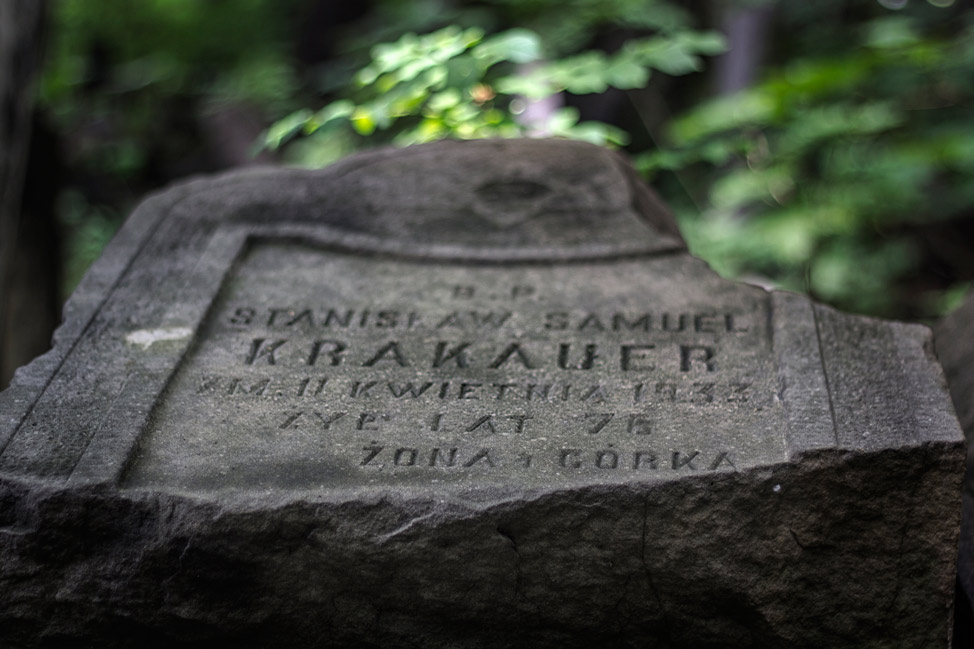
{"type": "Point", "coordinates": [776, 488]}
{"type": "Point", "coordinates": [145, 337]}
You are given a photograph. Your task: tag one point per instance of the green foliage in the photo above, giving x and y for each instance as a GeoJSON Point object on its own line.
{"type": "Point", "coordinates": [813, 178]}
{"type": "Point", "coordinates": [803, 171]}
{"type": "Point", "coordinates": [124, 82]}
{"type": "Point", "coordinates": [86, 230]}
{"type": "Point", "coordinates": [569, 26]}
{"type": "Point", "coordinates": [462, 83]}
{"type": "Point", "coordinates": [130, 69]}
{"type": "Point", "coordinates": [176, 45]}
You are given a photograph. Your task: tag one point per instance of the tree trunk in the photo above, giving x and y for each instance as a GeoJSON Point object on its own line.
{"type": "Point", "coordinates": [747, 31]}
{"type": "Point", "coordinates": [22, 336]}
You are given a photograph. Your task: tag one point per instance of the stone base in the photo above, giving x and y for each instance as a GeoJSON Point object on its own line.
{"type": "Point", "coordinates": [836, 550]}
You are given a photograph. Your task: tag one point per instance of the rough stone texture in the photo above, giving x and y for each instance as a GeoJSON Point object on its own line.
{"type": "Point", "coordinates": [465, 395]}
{"type": "Point", "coordinates": [954, 337]}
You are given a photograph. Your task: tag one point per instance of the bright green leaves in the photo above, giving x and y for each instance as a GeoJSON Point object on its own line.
{"type": "Point", "coordinates": [168, 47]}
{"type": "Point", "coordinates": [405, 59]}
{"type": "Point", "coordinates": [284, 129]}
{"type": "Point", "coordinates": [514, 45]}
{"type": "Point", "coordinates": [462, 83]}
{"type": "Point", "coordinates": [595, 72]}
{"type": "Point", "coordinates": [807, 166]}
{"type": "Point", "coordinates": [677, 54]}
{"type": "Point", "coordinates": [306, 122]}
{"type": "Point", "coordinates": [564, 123]}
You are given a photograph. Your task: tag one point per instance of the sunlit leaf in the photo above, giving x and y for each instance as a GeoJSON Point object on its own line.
{"type": "Point", "coordinates": [515, 45]}
{"type": "Point", "coordinates": [283, 129]}
{"type": "Point", "coordinates": [363, 122]}
{"type": "Point", "coordinates": [743, 110]}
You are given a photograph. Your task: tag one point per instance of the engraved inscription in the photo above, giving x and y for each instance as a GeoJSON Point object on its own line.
{"type": "Point", "coordinates": [325, 369]}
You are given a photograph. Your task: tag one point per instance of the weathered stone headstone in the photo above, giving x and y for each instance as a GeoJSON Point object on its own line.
{"type": "Point", "coordinates": [466, 395]}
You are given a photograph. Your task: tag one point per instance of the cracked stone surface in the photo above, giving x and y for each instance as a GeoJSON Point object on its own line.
{"type": "Point", "coordinates": [465, 395]}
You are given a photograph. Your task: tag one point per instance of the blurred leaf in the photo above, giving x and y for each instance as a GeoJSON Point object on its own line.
{"type": "Point", "coordinates": [743, 110]}
{"type": "Point", "coordinates": [363, 122]}
{"type": "Point", "coordinates": [890, 32]}
{"type": "Point", "coordinates": [515, 45]}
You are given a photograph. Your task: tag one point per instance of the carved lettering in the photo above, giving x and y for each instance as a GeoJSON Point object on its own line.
{"type": "Point", "coordinates": [361, 389]}
{"type": "Point", "coordinates": [601, 421]}
{"type": "Point", "coordinates": [391, 349]}
{"type": "Point", "coordinates": [705, 324]}
{"type": "Point", "coordinates": [444, 353]}
{"type": "Point", "coordinates": [519, 422]}
{"type": "Point", "coordinates": [703, 392]}
{"type": "Point", "coordinates": [502, 389]}
{"type": "Point", "coordinates": [739, 392]}
{"type": "Point", "coordinates": [556, 321]}
{"type": "Point", "coordinates": [304, 315]}
{"type": "Point", "coordinates": [256, 388]}
{"type": "Point", "coordinates": [512, 350]}
{"type": "Point", "coordinates": [483, 455]}
{"type": "Point", "coordinates": [631, 354]}
{"type": "Point", "coordinates": [327, 420]}
{"type": "Point", "coordinates": [468, 391]}
{"type": "Point", "coordinates": [595, 393]}
{"type": "Point", "coordinates": [638, 425]}
{"type": "Point", "coordinates": [538, 391]}
{"type": "Point", "coordinates": [644, 458]}
{"type": "Point", "coordinates": [290, 420]}
{"type": "Point", "coordinates": [370, 453]}
{"type": "Point", "coordinates": [274, 313]}
{"type": "Point", "coordinates": [332, 348]}
{"type": "Point", "coordinates": [208, 385]}
{"type": "Point", "coordinates": [340, 319]}
{"type": "Point", "coordinates": [414, 391]}
{"type": "Point", "coordinates": [591, 321]}
{"type": "Point", "coordinates": [569, 458]}
{"type": "Point", "coordinates": [489, 320]}
{"type": "Point", "coordinates": [619, 321]}
{"type": "Point", "coordinates": [243, 316]}
{"type": "Point", "coordinates": [722, 458]}
{"type": "Point", "coordinates": [686, 460]}
{"type": "Point", "coordinates": [262, 348]}
{"type": "Point", "coordinates": [693, 355]}
{"type": "Point", "coordinates": [680, 325]}
{"type": "Point", "coordinates": [448, 459]}
{"type": "Point", "coordinates": [588, 359]}
{"type": "Point", "coordinates": [485, 421]}
{"type": "Point", "coordinates": [317, 388]}
{"type": "Point", "coordinates": [607, 459]}
{"type": "Point", "coordinates": [666, 390]}
{"type": "Point", "coordinates": [405, 457]}
{"type": "Point", "coordinates": [364, 421]}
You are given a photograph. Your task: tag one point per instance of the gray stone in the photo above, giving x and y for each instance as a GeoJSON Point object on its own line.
{"type": "Point", "coordinates": [465, 395]}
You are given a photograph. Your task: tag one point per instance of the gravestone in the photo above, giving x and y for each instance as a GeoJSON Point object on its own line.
{"type": "Point", "coordinates": [465, 395]}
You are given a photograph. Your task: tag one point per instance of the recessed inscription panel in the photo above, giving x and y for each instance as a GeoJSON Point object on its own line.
{"type": "Point", "coordinates": [325, 369]}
